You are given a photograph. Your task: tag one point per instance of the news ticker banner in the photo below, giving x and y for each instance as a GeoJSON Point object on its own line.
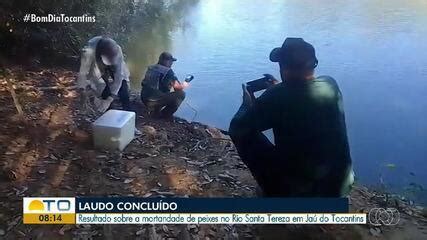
{"type": "Point", "coordinates": [131, 210]}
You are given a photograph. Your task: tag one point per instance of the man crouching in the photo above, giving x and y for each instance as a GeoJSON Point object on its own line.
{"type": "Point", "coordinates": [162, 92]}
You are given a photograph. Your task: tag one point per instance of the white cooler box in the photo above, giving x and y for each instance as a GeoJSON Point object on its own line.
{"type": "Point", "coordinates": [115, 129]}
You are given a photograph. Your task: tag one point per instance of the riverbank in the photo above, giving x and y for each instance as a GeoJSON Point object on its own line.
{"type": "Point", "coordinates": [48, 152]}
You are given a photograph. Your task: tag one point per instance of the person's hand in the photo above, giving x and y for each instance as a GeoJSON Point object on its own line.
{"type": "Point", "coordinates": [180, 86]}
{"type": "Point", "coordinates": [247, 98]}
{"type": "Point", "coordinates": [185, 84]}
{"type": "Point", "coordinates": [271, 78]}
{"type": "Point", "coordinates": [103, 105]}
{"type": "Point", "coordinates": [82, 82]}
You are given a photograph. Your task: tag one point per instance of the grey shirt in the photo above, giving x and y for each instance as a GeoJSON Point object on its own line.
{"type": "Point", "coordinates": [91, 71]}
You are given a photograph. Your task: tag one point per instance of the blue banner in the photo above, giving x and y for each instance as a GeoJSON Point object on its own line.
{"type": "Point", "coordinates": [210, 205]}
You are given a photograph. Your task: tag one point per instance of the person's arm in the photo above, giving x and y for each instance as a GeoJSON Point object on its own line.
{"type": "Point", "coordinates": [180, 86]}
{"type": "Point", "coordinates": [254, 115]}
{"type": "Point", "coordinates": [87, 58]}
{"type": "Point", "coordinates": [171, 81]}
{"type": "Point", "coordinates": [120, 74]}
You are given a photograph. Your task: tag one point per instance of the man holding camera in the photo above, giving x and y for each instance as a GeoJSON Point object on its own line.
{"type": "Point", "coordinates": [162, 92]}
{"type": "Point", "coordinates": [311, 156]}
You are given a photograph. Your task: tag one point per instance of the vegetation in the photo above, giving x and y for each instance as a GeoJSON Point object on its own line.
{"type": "Point", "coordinates": [115, 18]}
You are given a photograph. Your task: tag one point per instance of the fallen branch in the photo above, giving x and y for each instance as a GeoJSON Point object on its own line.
{"type": "Point", "coordinates": [32, 88]}
{"type": "Point", "coordinates": [195, 146]}
{"type": "Point", "coordinates": [56, 88]}
{"type": "Point", "coordinates": [15, 98]}
{"type": "Point", "coordinates": [50, 88]}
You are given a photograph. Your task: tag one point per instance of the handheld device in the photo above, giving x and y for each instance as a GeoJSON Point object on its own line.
{"type": "Point", "coordinates": [189, 78]}
{"type": "Point", "coordinates": [260, 84]}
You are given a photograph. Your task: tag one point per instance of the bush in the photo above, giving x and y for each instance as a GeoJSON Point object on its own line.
{"type": "Point", "coordinates": [114, 18]}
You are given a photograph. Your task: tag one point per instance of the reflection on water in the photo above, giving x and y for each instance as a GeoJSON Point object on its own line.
{"type": "Point", "coordinates": [154, 35]}
{"type": "Point", "coordinates": [374, 48]}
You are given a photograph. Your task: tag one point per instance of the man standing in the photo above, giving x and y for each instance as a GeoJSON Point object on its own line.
{"type": "Point", "coordinates": [161, 91]}
{"type": "Point", "coordinates": [102, 59]}
{"type": "Point", "coordinates": [311, 156]}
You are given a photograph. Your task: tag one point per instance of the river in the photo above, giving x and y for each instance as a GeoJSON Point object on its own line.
{"type": "Point", "coordinates": [375, 49]}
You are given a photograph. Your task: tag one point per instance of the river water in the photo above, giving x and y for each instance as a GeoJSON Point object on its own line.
{"type": "Point", "coordinates": [375, 49]}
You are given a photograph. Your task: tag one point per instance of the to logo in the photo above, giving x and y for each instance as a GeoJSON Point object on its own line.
{"type": "Point", "coordinates": [61, 205]}
{"type": "Point", "coordinates": [49, 205]}
{"type": "Point", "coordinates": [383, 216]}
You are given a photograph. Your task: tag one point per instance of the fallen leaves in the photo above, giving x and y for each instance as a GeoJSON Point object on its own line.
{"type": "Point", "coordinates": [102, 156]}
{"type": "Point", "coordinates": [148, 131]}
{"type": "Point", "coordinates": [81, 136]}
{"type": "Point", "coordinates": [226, 177]}
{"type": "Point", "coordinates": [19, 192]}
{"type": "Point", "coordinates": [135, 171]}
{"type": "Point", "coordinates": [113, 177]}
{"type": "Point", "coordinates": [376, 232]}
{"type": "Point", "coordinates": [64, 229]}
{"type": "Point", "coordinates": [217, 134]}
{"type": "Point", "coordinates": [128, 180]}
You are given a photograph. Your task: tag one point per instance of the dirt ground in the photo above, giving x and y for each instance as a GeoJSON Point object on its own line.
{"type": "Point", "coordinates": [50, 153]}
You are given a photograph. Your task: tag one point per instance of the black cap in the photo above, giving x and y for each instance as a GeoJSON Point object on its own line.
{"type": "Point", "coordinates": [166, 56]}
{"type": "Point", "coordinates": [295, 53]}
